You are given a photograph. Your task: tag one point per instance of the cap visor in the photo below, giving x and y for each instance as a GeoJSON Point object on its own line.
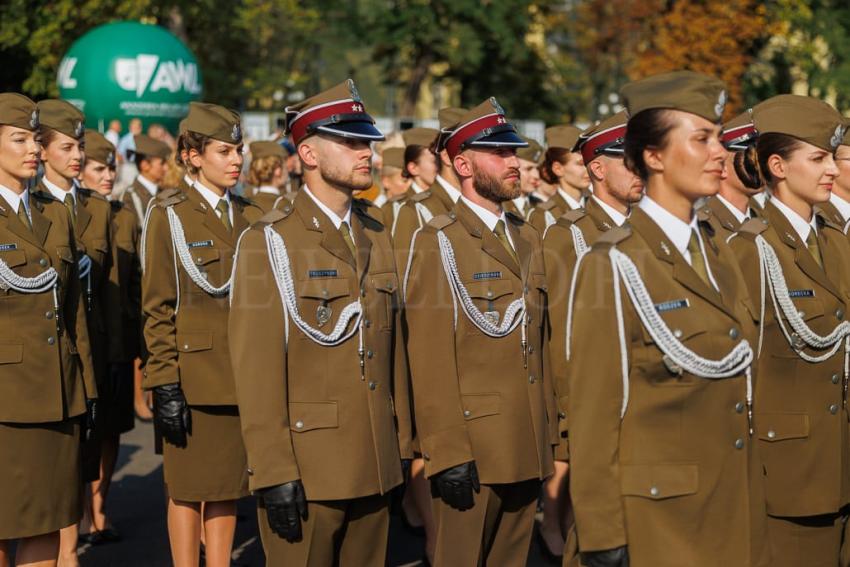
{"type": "Point", "coordinates": [361, 130]}
{"type": "Point", "coordinates": [508, 139]}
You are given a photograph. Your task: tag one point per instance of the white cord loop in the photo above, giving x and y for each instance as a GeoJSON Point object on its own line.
{"type": "Point", "coordinates": [181, 250]}
{"type": "Point", "coordinates": [46, 280]}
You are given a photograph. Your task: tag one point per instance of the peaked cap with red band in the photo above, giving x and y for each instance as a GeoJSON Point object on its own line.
{"type": "Point", "coordinates": [449, 118]}
{"type": "Point", "coordinates": [605, 138]}
{"type": "Point", "coordinates": [485, 126]}
{"type": "Point", "coordinates": [740, 132]}
{"type": "Point", "coordinates": [337, 111]}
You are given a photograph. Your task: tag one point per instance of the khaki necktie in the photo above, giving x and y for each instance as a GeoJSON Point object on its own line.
{"type": "Point", "coordinates": [349, 241]}
{"type": "Point", "coordinates": [814, 249]}
{"type": "Point", "coordinates": [224, 214]}
{"type": "Point", "coordinates": [500, 233]}
{"type": "Point", "coordinates": [697, 259]}
{"type": "Point", "coordinates": [72, 210]}
{"type": "Point", "coordinates": [22, 215]}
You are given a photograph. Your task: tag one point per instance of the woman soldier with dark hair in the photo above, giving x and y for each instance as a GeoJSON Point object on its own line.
{"type": "Point", "coordinates": [663, 471]}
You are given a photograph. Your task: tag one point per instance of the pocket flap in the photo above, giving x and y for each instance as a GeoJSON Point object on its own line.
{"type": "Point", "coordinates": [100, 245]}
{"type": "Point", "coordinates": [194, 341]}
{"type": "Point", "coordinates": [480, 405]}
{"type": "Point", "coordinates": [324, 288]}
{"type": "Point", "coordinates": [64, 252]}
{"type": "Point", "coordinates": [539, 281]}
{"type": "Point", "coordinates": [658, 482]}
{"type": "Point", "coordinates": [488, 289]}
{"type": "Point", "coordinates": [385, 282]}
{"type": "Point", "coordinates": [204, 256]}
{"type": "Point", "coordinates": [306, 416]}
{"type": "Point", "coordinates": [781, 426]}
{"type": "Point", "coordinates": [11, 353]}
{"type": "Point", "coordinates": [14, 257]}
{"type": "Point", "coordinates": [807, 307]}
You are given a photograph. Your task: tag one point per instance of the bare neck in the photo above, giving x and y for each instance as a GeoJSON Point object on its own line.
{"type": "Point", "coordinates": [734, 197]}
{"type": "Point", "coordinates": [218, 190]}
{"type": "Point", "coordinates": [601, 192]}
{"type": "Point", "coordinates": [576, 194]}
{"type": "Point", "coordinates": [336, 198]}
{"type": "Point", "coordinates": [674, 202]}
{"type": "Point", "coordinates": [55, 178]}
{"type": "Point", "coordinates": [13, 183]}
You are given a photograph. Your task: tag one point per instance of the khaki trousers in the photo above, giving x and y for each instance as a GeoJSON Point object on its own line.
{"type": "Point", "coordinates": [496, 531]}
{"type": "Point", "coordinates": [810, 541]}
{"type": "Point", "coordinates": [336, 532]}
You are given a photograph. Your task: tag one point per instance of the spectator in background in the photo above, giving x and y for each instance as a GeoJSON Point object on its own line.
{"type": "Point", "coordinates": [113, 134]}
{"type": "Point", "coordinates": [127, 143]}
{"type": "Point", "coordinates": [127, 171]}
{"type": "Point", "coordinates": [158, 132]}
{"type": "Point", "coordinates": [293, 167]}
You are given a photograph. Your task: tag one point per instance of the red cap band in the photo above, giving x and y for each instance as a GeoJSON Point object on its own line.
{"type": "Point", "coordinates": [602, 139]}
{"type": "Point", "coordinates": [470, 129]}
{"type": "Point", "coordinates": [300, 125]}
{"type": "Point", "coordinates": [739, 132]}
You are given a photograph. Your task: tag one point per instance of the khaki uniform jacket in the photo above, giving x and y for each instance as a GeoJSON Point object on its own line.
{"type": "Point", "coordinates": [46, 370]}
{"type": "Point", "coordinates": [475, 396]}
{"type": "Point", "coordinates": [187, 342]}
{"type": "Point", "coordinates": [409, 220]}
{"type": "Point", "coordinates": [559, 254]}
{"type": "Point", "coordinates": [265, 201]}
{"type": "Point", "coordinates": [801, 407]}
{"type": "Point", "coordinates": [677, 478]}
{"type": "Point", "coordinates": [723, 220]}
{"type": "Point", "coordinates": [136, 189]}
{"type": "Point", "coordinates": [556, 206]}
{"type": "Point", "coordinates": [390, 209]}
{"type": "Point", "coordinates": [831, 213]}
{"type": "Point", "coordinates": [307, 411]}
{"type": "Point", "coordinates": [125, 285]}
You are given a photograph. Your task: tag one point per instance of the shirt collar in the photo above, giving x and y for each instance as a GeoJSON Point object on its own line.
{"type": "Point", "coordinates": [739, 216]}
{"type": "Point", "coordinates": [521, 202]}
{"type": "Point", "coordinates": [270, 189]}
{"type": "Point", "coordinates": [488, 218]}
{"type": "Point", "coordinates": [801, 227]}
{"type": "Point", "coordinates": [150, 185]}
{"type": "Point", "coordinates": [678, 231]}
{"type": "Point", "coordinates": [330, 214]}
{"type": "Point", "coordinates": [762, 198]}
{"type": "Point", "coordinates": [14, 199]}
{"type": "Point", "coordinates": [842, 206]}
{"type": "Point", "coordinates": [59, 193]}
{"type": "Point", "coordinates": [616, 216]}
{"type": "Point", "coordinates": [573, 204]}
{"type": "Point", "coordinates": [210, 196]}
{"type": "Point", "coordinates": [454, 194]}
{"type": "Point", "coordinates": [416, 188]}
{"type": "Point", "coordinates": [186, 179]}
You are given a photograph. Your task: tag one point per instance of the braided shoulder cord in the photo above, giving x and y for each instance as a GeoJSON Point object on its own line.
{"type": "Point", "coordinates": [282, 270]}
{"type": "Point", "coordinates": [46, 280]}
{"type": "Point", "coordinates": [178, 238]}
{"type": "Point", "coordinates": [514, 314]}
{"type": "Point", "coordinates": [770, 272]}
{"type": "Point", "coordinates": [145, 221]}
{"type": "Point", "coordinates": [579, 242]}
{"type": "Point", "coordinates": [408, 264]}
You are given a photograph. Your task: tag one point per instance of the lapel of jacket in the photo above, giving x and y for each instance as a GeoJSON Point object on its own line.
{"type": "Point", "coordinates": [83, 214]}
{"type": "Point", "coordinates": [723, 214]}
{"type": "Point", "coordinates": [522, 246]}
{"type": "Point", "coordinates": [489, 243]}
{"type": "Point", "coordinates": [360, 219]}
{"type": "Point", "coordinates": [597, 214]}
{"type": "Point", "coordinates": [240, 223]}
{"type": "Point", "coordinates": [15, 225]}
{"type": "Point", "coordinates": [211, 220]}
{"type": "Point", "coordinates": [40, 222]}
{"type": "Point", "coordinates": [316, 220]}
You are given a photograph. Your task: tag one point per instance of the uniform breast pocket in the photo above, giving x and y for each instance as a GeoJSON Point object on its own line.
{"type": "Point", "coordinates": [386, 300]}
{"type": "Point", "coordinates": [811, 310]}
{"type": "Point", "coordinates": [208, 263]}
{"type": "Point", "coordinates": [688, 328]}
{"type": "Point", "coordinates": [13, 258]}
{"type": "Point", "coordinates": [491, 297]}
{"type": "Point", "coordinates": [321, 300]}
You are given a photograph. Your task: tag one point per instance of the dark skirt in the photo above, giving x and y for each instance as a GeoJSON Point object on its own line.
{"type": "Point", "coordinates": [213, 466]}
{"type": "Point", "coordinates": [40, 478]}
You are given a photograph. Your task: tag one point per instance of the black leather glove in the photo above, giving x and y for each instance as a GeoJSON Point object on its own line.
{"type": "Point", "coordinates": [171, 413]}
{"type": "Point", "coordinates": [617, 557]}
{"type": "Point", "coordinates": [397, 493]}
{"type": "Point", "coordinates": [286, 506]}
{"type": "Point", "coordinates": [91, 419]}
{"type": "Point", "coordinates": [456, 484]}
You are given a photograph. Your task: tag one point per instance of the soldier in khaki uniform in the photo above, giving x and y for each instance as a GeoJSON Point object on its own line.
{"type": "Point", "coordinates": [475, 310]}
{"type": "Point", "coordinates": [47, 381]}
{"type": "Point", "coordinates": [189, 242]}
{"type": "Point", "coordinates": [529, 179]}
{"type": "Point", "coordinates": [563, 168]}
{"type": "Point", "coordinates": [151, 157]}
{"type": "Point", "coordinates": [661, 341]}
{"type": "Point", "coordinates": [801, 262]}
{"type": "Point", "coordinates": [615, 191]}
{"type": "Point", "coordinates": [317, 352]}
{"type": "Point", "coordinates": [837, 209]}
{"type": "Point", "coordinates": [267, 173]}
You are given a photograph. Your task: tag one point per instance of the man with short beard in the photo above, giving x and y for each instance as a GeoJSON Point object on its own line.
{"type": "Point", "coordinates": [475, 310]}
{"type": "Point", "coordinates": [320, 368]}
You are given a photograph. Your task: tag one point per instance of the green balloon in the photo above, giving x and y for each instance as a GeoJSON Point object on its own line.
{"type": "Point", "coordinates": [127, 70]}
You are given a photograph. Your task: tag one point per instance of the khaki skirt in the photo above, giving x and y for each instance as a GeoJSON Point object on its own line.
{"type": "Point", "coordinates": [40, 478]}
{"type": "Point", "coordinates": [213, 466]}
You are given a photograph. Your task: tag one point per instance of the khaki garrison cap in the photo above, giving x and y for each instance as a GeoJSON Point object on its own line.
{"type": "Point", "coordinates": [419, 136]}
{"type": "Point", "coordinates": [337, 111]}
{"type": "Point", "coordinates": [484, 126]}
{"type": "Point", "coordinates": [99, 149]}
{"type": "Point", "coordinates": [533, 152]}
{"type": "Point", "coordinates": [740, 132]}
{"type": "Point", "coordinates": [803, 117]}
{"type": "Point", "coordinates": [448, 118]}
{"type": "Point", "coordinates": [62, 116]}
{"type": "Point", "coordinates": [562, 136]}
{"type": "Point", "coordinates": [18, 111]}
{"type": "Point", "coordinates": [148, 147]}
{"type": "Point", "coordinates": [215, 121]}
{"type": "Point", "coordinates": [261, 150]}
{"type": "Point", "coordinates": [605, 138]}
{"type": "Point", "coordinates": [687, 91]}
{"type": "Point", "coordinates": [393, 157]}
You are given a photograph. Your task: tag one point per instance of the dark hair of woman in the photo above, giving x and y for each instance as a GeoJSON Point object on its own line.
{"type": "Point", "coordinates": [552, 155]}
{"type": "Point", "coordinates": [751, 164]}
{"type": "Point", "coordinates": [412, 153]}
{"type": "Point", "coordinates": [646, 129]}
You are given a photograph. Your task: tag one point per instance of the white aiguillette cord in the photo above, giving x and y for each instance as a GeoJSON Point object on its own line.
{"type": "Point", "coordinates": [46, 280]}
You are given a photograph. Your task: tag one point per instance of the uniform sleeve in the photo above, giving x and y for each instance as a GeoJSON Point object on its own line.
{"type": "Point", "coordinates": [77, 326]}
{"type": "Point", "coordinates": [112, 308]}
{"type": "Point", "coordinates": [440, 425]}
{"type": "Point", "coordinates": [258, 357]}
{"type": "Point", "coordinates": [594, 381]}
{"type": "Point", "coordinates": [401, 389]}
{"type": "Point", "coordinates": [747, 256]}
{"type": "Point", "coordinates": [159, 302]}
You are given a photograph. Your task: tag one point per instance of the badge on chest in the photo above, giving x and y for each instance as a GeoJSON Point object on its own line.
{"type": "Point", "coordinates": [323, 313]}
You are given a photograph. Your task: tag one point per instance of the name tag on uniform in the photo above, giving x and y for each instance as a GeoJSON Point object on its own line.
{"type": "Point", "coordinates": [5, 247]}
{"type": "Point", "coordinates": [672, 305]}
{"type": "Point", "coordinates": [322, 273]}
{"type": "Point", "coordinates": [801, 293]}
{"type": "Point", "coordinates": [200, 244]}
{"type": "Point", "coordinates": [487, 275]}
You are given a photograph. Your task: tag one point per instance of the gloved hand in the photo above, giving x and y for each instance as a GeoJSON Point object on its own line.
{"type": "Point", "coordinates": [286, 506]}
{"type": "Point", "coordinates": [456, 484]}
{"type": "Point", "coordinates": [617, 557]}
{"type": "Point", "coordinates": [91, 419]}
{"type": "Point", "coordinates": [171, 413]}
{"type": "Point", "coordinates": [397, 493]}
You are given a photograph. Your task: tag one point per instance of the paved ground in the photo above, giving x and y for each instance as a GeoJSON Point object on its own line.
{"type": "Point", "coordinates": [137, 508]}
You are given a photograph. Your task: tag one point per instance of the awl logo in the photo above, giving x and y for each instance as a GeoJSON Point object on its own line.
{"type": "Point", "coordinates": [147, 73]}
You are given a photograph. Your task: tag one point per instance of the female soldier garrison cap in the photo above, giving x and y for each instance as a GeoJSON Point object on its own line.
{"type": "Point", "coordinates": [99, 149]}
{"type": "Point", "coordinates": [740, 132]}
{"type": "Point", "coordinates": [687, 91]}
{"type": "Point", "coordinates": [148, 147]}
{"type": "Point", "coordinates": [214, 121]}
{"type": "Point", "coordinates": [62, 116]}
{"type": "Point", "coordinates": [485, 126]}
{"type": "Point", "coordinates": [605, 138]}
{"type": "Point", "coordinates": [419, 136]}
{"type": "Point", "coordinates": [803, 117]}
{"type": "Point", "coordinates": [449, 118]}
{"type": "Point", "coordinates": [337, 111]}
{"type": "Point", "coordinates": [261, 150]}
{"type": "Point", "coordinates": [18, 111]}
{"type": "Point", "coordinates": [394, 157]}
{"type": "Point", "coordinates": [533, 152]}
{"type": "Point", "coordinates": [562, 136]}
